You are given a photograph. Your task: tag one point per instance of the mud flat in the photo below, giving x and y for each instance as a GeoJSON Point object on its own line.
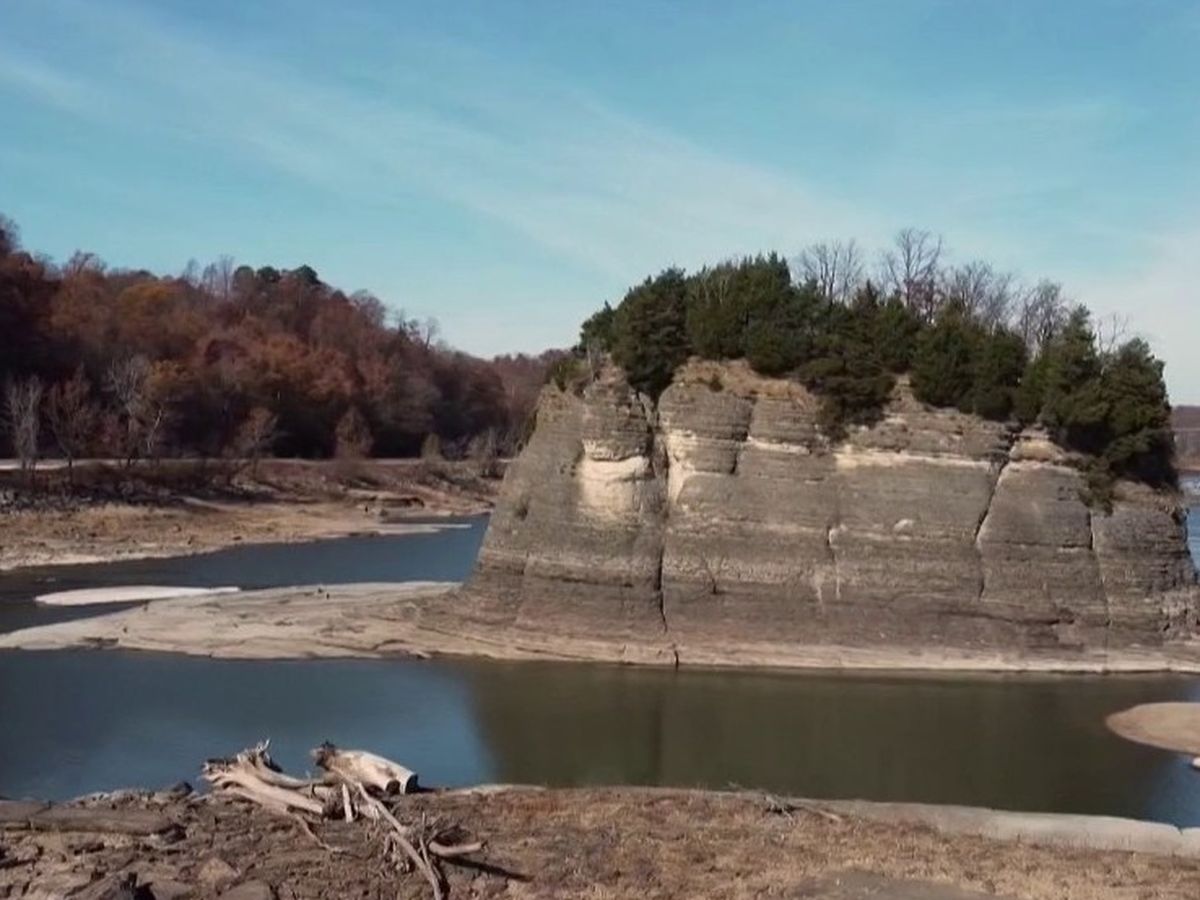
{"type": "Point", "coordinates": [613, 843]}
{"type": "Point", "coordinates": [421, 619]}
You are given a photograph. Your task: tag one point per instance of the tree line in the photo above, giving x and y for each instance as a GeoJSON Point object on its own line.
{"type": "Point", "coordinates": [967, 337]}
{"type": "Point", "coordinates": [227, 360]}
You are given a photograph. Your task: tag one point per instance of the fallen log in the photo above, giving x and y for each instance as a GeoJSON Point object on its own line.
{"type": "Point", "coordinates": [368, 769]}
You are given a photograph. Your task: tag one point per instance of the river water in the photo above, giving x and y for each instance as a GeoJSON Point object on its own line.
{"type": "Point", "coordinates": [81, 721]}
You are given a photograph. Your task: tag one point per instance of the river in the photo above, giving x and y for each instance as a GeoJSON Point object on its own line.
{"type": "Point", "coordinates": [79, 721]}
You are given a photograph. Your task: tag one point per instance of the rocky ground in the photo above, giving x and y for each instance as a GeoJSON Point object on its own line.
{"type": "Point", "coordinates": [602, 844]}
{"type": "Point", "coordinates": [177, 512]}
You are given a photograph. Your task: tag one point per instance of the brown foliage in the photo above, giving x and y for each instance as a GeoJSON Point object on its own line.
{"type": "Point", "coordinates": [181, 366]}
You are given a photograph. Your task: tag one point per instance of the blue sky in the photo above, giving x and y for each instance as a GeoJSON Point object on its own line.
{"type": "Point", "coordinates": [506, 167]}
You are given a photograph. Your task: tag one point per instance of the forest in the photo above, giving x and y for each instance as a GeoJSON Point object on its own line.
{"type": "Point", "coordinates": [229, 361]}
{"type": "Point", "coordinates": [966, 336]}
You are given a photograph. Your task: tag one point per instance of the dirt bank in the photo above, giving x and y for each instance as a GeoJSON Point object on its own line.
{"type": "Point", "coordinates": [178, 512]}
{"type": "Point", "coordinates": [611, 844]}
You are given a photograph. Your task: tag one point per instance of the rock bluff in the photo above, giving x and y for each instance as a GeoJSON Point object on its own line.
{"type": "Point", "coordinates": [718, 526]}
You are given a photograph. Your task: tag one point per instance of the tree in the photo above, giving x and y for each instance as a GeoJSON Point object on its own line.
{"type": "Point", "coordinates": [72, 416]}
{"type": "Point", "coordinates": [599, 330]}
{"type": "Point", "coordinates": [996, 370]}
{"type": "Point", "coordinates": [1140, 440]}
{"type": "Point", "coordinates": [910, 270]}
{"type": "Point", "coordinates": [1041, 314]}
{"type": "Point", "coordinates": [1074, 405]}
{"type": "Point", "coordinates": [23, 407]}
{"type": "Point", "coordinates": [942, 372]}
{"type": "Point", "coordinates": [897, 328]}
{"type": "Point", "coordinates": [353, 435]}
{"type": "Point", "coordinates": [726, 302]}
{"type": "Point", "coordinates": [651, 331]}
{"type": "Point", "coordinates": [837, 269]}
{"type": "Point", "coordinates": [255, 436]}
{"type": "Point", "coordinates": [846, 369]}
{"type": "Point", "coordinates": [10, 236]}
{"type": "Point", "coordinates": [985, 294]}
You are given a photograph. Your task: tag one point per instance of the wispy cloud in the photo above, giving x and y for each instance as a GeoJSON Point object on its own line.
{"type": "Point", "coordinates": [608, 191]}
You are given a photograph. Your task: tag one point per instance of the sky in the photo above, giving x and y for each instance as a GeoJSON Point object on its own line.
{"type": "Point", "coordinates": [507, 167]}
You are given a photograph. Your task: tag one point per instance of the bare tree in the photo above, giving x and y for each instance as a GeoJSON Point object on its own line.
{"type": "Point", "coordinates": [484, 450]}
{"type": "Point", "coordinates": [217, 278]}
{"type": "Point", "coordinates": [23, 408]}
{"type": "Point", "coordinates": [191, 273]}
{"type": "Point", "coordinates": [255, 436]}
{"type": "Point", "coordinates": [836, 268]}
{"type": "Point", "coordinates": [1112, 331]}
{"type": "Point", "coordinates": [142, 410]}
{"type": "Point", "coordinates": [1041, 313]}
{"type": "Point", "coordinates": [983, 292]}
{"type": "Point", "coordinates": [72, 417]}
{"type": "Point", "coordinates": [911, 269]}
{"type": "Point", "coordinates": [428, 332]}
{"type": "Point", "coordinates": [10, 236]}
{"type": "Point", "coordinates": [81, 262]}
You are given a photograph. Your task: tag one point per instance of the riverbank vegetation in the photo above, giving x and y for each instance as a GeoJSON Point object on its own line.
{"type": "Point", "coordinates": [968, 337]}
{"type": "Point", "coordinates": [228, 360]}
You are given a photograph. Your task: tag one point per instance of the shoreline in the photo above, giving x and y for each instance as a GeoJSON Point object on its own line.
{"type": "Point", "coordinates": [618, 842]}
{"type": "Point", "coordinates": [333, 529]}
{"type": "Point", "coordinates": [417, 620]}
{"type": "Point", "coordinates": [289, 502]}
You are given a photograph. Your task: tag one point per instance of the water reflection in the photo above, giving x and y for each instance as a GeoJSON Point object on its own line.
{"type": "Point", "coordinates": [1018, 743]}
{"type": "Point", "coordinates": [82, 721]}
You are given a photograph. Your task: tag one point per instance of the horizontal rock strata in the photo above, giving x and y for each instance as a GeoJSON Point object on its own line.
{"type": "Point", "coordinates": [720, 524]}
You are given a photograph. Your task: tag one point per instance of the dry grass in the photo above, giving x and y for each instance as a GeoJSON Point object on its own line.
{"type": "Point", "coordinates": [605, 845]}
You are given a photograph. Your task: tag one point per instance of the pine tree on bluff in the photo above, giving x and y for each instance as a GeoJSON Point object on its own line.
{"type": "Point", "coordinates": [1073, 402]}
{"type": "Point", "coordinates": [650, 331]}
{"type": "Point", "coordinates": [1141, 444]}
{"type": "Point", "coordinates": [943, 364]}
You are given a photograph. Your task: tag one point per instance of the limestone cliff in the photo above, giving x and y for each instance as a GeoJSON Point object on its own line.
{"type": "Point", "coordinates": [719, 526]}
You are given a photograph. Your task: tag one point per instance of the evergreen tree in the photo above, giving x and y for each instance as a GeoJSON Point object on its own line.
{"type": "Point", "coordinates": [847, 371]}
{"type": "Point", "coordinates": [650, 331]}
{"type": "Point", "coordinates": [943, 369]}
{"type": "Point", "coordinates": [1140, 441]}
{"type": "Point", "coordinates": [727, 301]}
{"type": "Point", "coordinates": [1074, 406]}
{"type": "Point", "coordinates": [897, 329]}
{"type": "Point", "coordinates": [599, 331]}
{"type": "Point", "coordinates": [996, 370]}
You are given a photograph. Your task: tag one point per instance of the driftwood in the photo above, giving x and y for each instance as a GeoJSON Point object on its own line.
{"type": "Point", "coordinates": [356, 786]}
{"type": "Point", "coordinates": [361, 767]}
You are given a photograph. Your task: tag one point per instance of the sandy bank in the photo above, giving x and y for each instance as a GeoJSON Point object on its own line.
{"type": "Point", "coordinates": [421, 619]}
{"type": "Point", "coordinates": [612, 843]}
{"type": "Point", "coordinates": [134, 593]}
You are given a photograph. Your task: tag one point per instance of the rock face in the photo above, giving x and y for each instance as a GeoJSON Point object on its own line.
{"type": "Point", "coordinates": [721, 527]}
